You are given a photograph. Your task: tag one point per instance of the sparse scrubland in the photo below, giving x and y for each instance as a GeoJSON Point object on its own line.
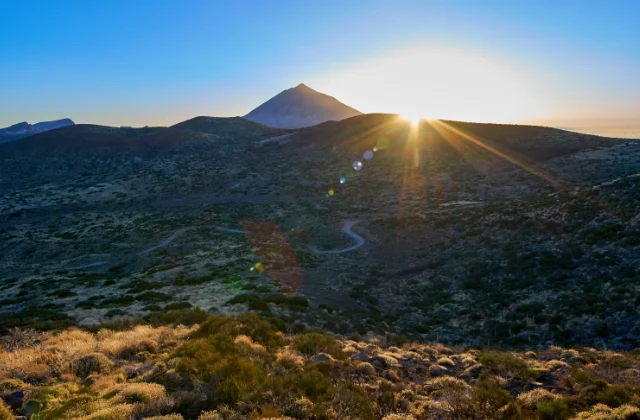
{"type": "Point", "coordinates": [244, 367]}
{"type": "Point", "coordinates": [484, 289]}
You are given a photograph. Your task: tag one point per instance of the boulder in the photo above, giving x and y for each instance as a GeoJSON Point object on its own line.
{"type": "Point", "coordinates": [16, 400]}
{"type": "Point", "coordinates": [437, 370]}
{"type": "Point", "coordinates": [361, 357]}
{"type": "Point", "coordinates": [321, 357]}
{"type": "Point", "coordinates": [385, 361]}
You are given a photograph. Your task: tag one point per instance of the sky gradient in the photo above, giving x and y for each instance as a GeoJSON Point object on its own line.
{"type": "Point", "coordinates": [562, 63]}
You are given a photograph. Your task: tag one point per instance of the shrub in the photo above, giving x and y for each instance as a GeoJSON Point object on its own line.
{"type": "Point", "coordinates": [312, 385]}
{"type": "Point", "coordinates": [136, 392]}
{"type": "Point", "coordinates": [5, 412]}
{"type": "Point", "coordinates": [9, 385]}
{"type": "Point", "coordinates": [254, 302]}
{"type": "Point", "coordinates": [351, 401]}
{"type": "Point", "coordinates": [366, 368]}
{"type": "Point", "coordinates": [446, 361]}
{"type": "Point", "coordinates": [165, 417]}
{"type": "Point", "coordinates": [295, 303]}
{"type": "Point", "coordinates": [178, 317]}
{"type": "Point", "coordinates": [311, 344]}
{"type": "Point", "coordinates": [485, 402]}
{"type": "Point", "coordinates": [302, 408]}
{"type": "Point", "coordinates": [289, 360]}
{"type": "Point", "coordinates": [146, 345]}
{"type": "Point", "coordinates": [603, 412]}
{"type": "Point", "coordinates": [138, 286]}
{"type": "Point", "coordinates": [177, 305]}
{"type": "Point", "coordinates": [504, 363]}
{"type": "Point", "coordinates": [552, 409]}
{"type": "Point", "coordinates": [616, 395]}
{"type": "Point", "coordinates": [154, 408]}
{"type": "Point", "coordinates": [93, 363]}
{"type": "Point", "coordinates": [530, 399]}
{"type": "Point", "coordinates": [259, 330]}
{"type": "Point", "coordinates": [114, 312]}
{"type": "Point", "coordinates": [216, 360]}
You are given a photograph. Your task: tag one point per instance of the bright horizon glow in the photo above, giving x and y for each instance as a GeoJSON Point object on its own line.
{"type": "Point", "coordinates": [438, 82]}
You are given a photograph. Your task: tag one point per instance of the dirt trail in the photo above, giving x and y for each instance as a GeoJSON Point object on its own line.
{"type": "Point", "coordinates": [183, 230]}
{"type": "Point", "coordinates": [346, 228]}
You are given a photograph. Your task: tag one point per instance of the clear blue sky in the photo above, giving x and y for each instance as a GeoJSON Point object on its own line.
{"type": "Point", "coordinates": [158, 62]}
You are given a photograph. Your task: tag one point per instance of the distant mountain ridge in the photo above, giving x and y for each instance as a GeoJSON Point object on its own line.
{"type": "Point", "coordinates": [24, 129]}
{"type": "Point", "coordinates": [300, 107]}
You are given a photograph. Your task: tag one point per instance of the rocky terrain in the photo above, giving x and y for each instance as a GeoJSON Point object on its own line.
{"type": "Point", "coordinates": [472, 234]}
{"type": "Point", "coordinates": [247, 368]}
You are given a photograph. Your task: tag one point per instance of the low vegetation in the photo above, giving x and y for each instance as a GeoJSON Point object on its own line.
{"type": "Point", "coordinates": [245, 367]}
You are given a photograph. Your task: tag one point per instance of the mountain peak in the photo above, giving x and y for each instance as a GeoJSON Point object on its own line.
{"type": "Point", "coordinates": [24, 129]}
{"type": "Point", "coordinates": [300, 107]}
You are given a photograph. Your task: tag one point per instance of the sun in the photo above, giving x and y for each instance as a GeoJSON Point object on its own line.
{"type": "Point", "coordinates": [414, 119]}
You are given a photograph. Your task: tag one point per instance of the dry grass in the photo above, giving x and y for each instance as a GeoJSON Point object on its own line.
{"type": "Point", "coordinates": [58, 354]}
{"type": "Point", "coordinates": [136, 392]}
{"type": "Point", "coordinates": [603, 412]}
{"type": "Point", "coordinates": [79, 375]}
{"type": "Point", "coordinates": [290, 358]}
{"type": "Point", "coordinates": [248, 343]}
{"type": "Point", "coordinates": [531, 398]}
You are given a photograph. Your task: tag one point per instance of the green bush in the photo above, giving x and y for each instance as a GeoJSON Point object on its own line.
{"type": "Point", "coordinates": [312, 384]}
{"type": "Point", "coordinates": [255, 302]}
{"type": "Point", "coordinates": [178, 316]}
{"type": "Point", "coordinates": [217, 361]}
{"type": "Point", "coordinates": [351, 401]}
{"type": "Point", "coordinates": [177, 305]}
{"type": "Point", "coordinates": [37, 318]}
{"type": "Point", "coordinates": [314, 343]}
{"type": "Point", "coordinates": [114, 312]}
{"type": "Point", "coordinates": [295, 303]}
{"type": "Point", "coordinates": [118, 301]}
{"type": "Point", "coordinates": [260, 331]}
{"type": "Point", "coordinates": [552, 409]}
{"type": "Point", "coordinates": [505, 364]}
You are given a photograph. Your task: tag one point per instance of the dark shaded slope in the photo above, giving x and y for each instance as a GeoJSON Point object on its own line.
{"type": "Point", "coordinates": [234, 126]}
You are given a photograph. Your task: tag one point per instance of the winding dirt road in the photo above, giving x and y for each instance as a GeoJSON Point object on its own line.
{"type": "Point", "coordinates": [183, 230]}
{"type": "Point", "coordinates": [346, 228]}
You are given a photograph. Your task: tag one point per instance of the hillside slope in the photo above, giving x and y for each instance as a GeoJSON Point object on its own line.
{"type": "Point", "coordinates": [246, 368]}
{"type": "Point", "coordinates": [474, 234]}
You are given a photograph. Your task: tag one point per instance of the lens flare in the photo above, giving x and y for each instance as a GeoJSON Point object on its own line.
{"type": "Point", "coordinates": [357, 165]}
{"type": "Point", "coordinates": [343, 180]}
{"type": "Point", "coordinates": [368, 155]}
{"type": "Point", "coordinates": [258, 267]}
{"type": "Point", "coordinates": [331, 192]}
{"type": "Point", "coordinates": [381, 144]}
